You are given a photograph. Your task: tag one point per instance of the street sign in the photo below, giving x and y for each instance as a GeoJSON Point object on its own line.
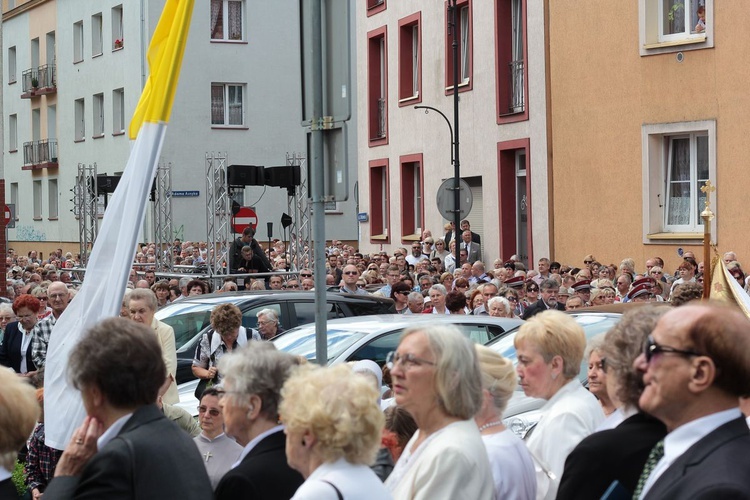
{"type": "Point", "coordinates": [9, 214]}
{"type": "Point", "coordinates": [185, 194]}
{"type": "Point", "coordinates": [244, 217]}
{"type": "Point", "coordinates": [446, 202]}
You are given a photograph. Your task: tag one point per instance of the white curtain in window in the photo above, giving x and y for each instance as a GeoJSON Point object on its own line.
{"type": "Point", "coordinates": [517, 30]}
{"type": "Point", "coordinates": [234, 15]}
{"type": "Point", "coordinates": [217, 104]}
{"type": "Point", "coordinates": [464, 43]}
{"type": "Point", "coordinates": [235, 105]}
{"type": "Point", "coordinates": [217, 19]}
{"type": "Point", "coordinates": [679, 184]}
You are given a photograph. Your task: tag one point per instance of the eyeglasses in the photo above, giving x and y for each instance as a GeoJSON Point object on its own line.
{"type": "Point", "coordinates": [351, 273]}
{"type": "Point", "coordinates": [588, 261]}
{"type": "Point", "coordinates": [512, 299]}
{"type": "Point", "coordinates": [213, 411]}
{"type": "Point", "coordinates": [42, 298]}
{"type": "Point", "coordinates": [361, 285]}
{"type": "Point", "coordinates": [407, 361]}
{"type": "Point", "coordinates": [652, 348]}
{"type": "Point", "coordinates": [264, 323]}
{"type": "Point", "coordinates": [306, 275]}
{"type": "Point", "coordinates": [532, 289]}
{"type": "Point", "coordinates": [57, 295]}
{"type": "Point", "coordinates": [401, 293]}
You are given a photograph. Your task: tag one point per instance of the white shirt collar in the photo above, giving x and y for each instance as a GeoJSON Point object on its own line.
{"type": "Point", "coordinates": [112, 432]}
{"type": "Point", "coordinates": [257, 439]}
{"type": "Point", "coordinates": [216, 339]}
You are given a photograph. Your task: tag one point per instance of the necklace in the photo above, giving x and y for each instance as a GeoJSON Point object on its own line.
{"type": "Point", "coordinates": [494, 423]}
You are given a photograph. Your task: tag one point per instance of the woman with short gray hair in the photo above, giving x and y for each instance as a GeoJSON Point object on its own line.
{"type": "Point", "coordinates": [436, 378]}
{"type": "Point", "coordinates": [268, 323]}
{"type": "Point", "coordinates": [250, 396]}
{"type": "Point", "coordinates": [499, 307]}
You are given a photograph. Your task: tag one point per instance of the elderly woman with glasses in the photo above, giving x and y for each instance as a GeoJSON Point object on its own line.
{"type": "Point", "coordinates": [333, 428]}
{"type": "Point", "coordinates": [249, 400]}
{"type": "Point", "coordinates": [436, 378]}
{"type": "Point", "coordinates": [268, 323]}
{"type": "Point", "coordinates": [439, 252]}
{"type": "Point", "coordinates": [618, 454]}
{"type": "Point", "coordinates": [16, 347]}
{"type": "Point", "coordinates": [549, 347]}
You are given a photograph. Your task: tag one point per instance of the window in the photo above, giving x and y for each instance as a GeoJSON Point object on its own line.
{"type": "Point", "coordinates": [118, 39]}
{"type": "Point", "coordinates": [12, 64]}
{"type": "Point", "coordinates": [53, 197]}
{"type": "Point", "coordinates": [227, 104]}
{"type": "Point", "coordinates": [14, 196]}
{"type": "Point", "coordinates": [379, 200]}
{"type": "Point", "coordinates": [78, 42]}
{"type": "Point", "coordinates": [227, 19]}
{"type": "Point", "coordinates": [678, 159]}
{"type": "Point", "coordinates": [38, 199]}
{"type": "Point", "coordinates": [412, 206]}
{"type": "Point", "coordinates": [510, 53]}
{"type": "Point", "coordinates": [409, 60]}
{"type": "Point", "coordinates": [377, 86]}
{"type": "Point", "coordinates": [375, 6]}
{"type": "Point", "coordinates": [96, 35]}
{"type": "Point", "coordinates": [98, 116]}
{"type": "Point", "coordinates": [80, 120]}
{"type": "Point", "coordinates": [13, 133]}
{"type": "Point", "coordinates": [675, 25]}
{"type": "Point", "coordinates": [118, 111]}
{"type": "Point", "coordinates": [463, 33]}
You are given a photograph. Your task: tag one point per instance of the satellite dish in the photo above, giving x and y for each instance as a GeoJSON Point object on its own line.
{"type": "Point", "coordinates": [446, 201]}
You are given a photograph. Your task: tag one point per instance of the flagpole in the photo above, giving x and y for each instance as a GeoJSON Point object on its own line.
{"type": "Point", "coordinates": [707, 215]}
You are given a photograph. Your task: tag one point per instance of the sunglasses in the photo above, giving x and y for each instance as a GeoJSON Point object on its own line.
{"type": "Point", "coordinates": [306, 275]}
{"type": "Point", "coordinates": [351, 273]}
{"type": "Point", "coordinates": [213, 411]}
{"type": "Point", "coordinates": [651, 349]}
{"type": "Point", "coordinates": [532, 289]}
{"type": "Point", "coordinates": [361, 285]}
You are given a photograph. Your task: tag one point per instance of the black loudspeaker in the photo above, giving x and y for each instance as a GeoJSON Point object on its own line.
{"type": "Point", "coordinates": [107, 183]}
{"type": "Point", "coordinates": [245, 175]}
{"type": "Point", "coordinates": [285, 177]}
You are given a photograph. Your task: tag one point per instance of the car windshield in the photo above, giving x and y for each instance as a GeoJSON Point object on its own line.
{"type": "Point", "coordinates": [301, 341]}
{"type": "Point", "coordinates": [593, 324]}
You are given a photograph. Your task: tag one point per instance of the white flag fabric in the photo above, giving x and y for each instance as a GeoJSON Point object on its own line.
{"type": "Point", "coordinates": [112, 256]}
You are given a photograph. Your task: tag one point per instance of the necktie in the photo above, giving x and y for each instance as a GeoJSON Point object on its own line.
{"type": "Point", "coordinates": [657, 452]}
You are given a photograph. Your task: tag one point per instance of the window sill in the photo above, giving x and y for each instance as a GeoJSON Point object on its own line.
{"type": "Point", "coordinates": [334, 212]}
{"type": "Point", "coordinates": [94, 56]}
{"type": "Point", "coordinates": [115, 134]}
{"type": "Point", "coordinates": [78, 61]}
{"type": "Point", "coordinates": [676, 43]}
{"type": "Point", "coordinates": [11, 82]}
{"type": "Point", "coordinates": [117, 49]}
{"type": "Point", "coordinates": [378, 141]}
{"type": "Point", "coordinates": [222, 40]}
{"type": "Point", "coordinates": [407, 101]}
{"type": "Point", "coordinates": [379, 237]}
{"type": "Point", "coordinates": [462, 87]}
{"type": "Point", "coordinates": [37, 218]}
{"type": "Point", "coordinates": [99, 136]}
{"type": "Point", "coordinates": [229, 127]}
{"type": "Point", "coordinates": [13, 151]}
{"type": "Point", "coordinates": [675, 236]}
{"type": "Point", "coordinates": [411, 237]}
{"type": "Point", "coordinates": [375, 9]}
{"type": "Point", "coordinates": [52, 218]}
{"type": "Point", "coordinates": [79, 140]}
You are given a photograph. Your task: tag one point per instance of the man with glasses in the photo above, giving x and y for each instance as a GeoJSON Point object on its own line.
{"type": "Point", "coordinates": [57, 298]}
{"type": "Point", "coordinates": [291, 284]}
{"type": "Point", "coordinates": [696, 366]}
{"type": "Point", "coordinates": [416, 254]}
{"type": "Point", "coordinates": [547, 299]}
{"type": "Point", "coordinates": [393, 275]}
{"type": "Point", "coordinates": [219, 452]}
{"type": "Point", "coordinates": [350, 277]}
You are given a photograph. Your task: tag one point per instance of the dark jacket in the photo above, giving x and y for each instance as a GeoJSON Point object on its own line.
{"type": "Point", "coordinates": [263, 473]}
{"type": "Point", "coordinates": [615, 454]}
{"type": "Point", "coordinates": [259, 260]}
{"type": "Point", "coordinates": [10, 349]}
{"type": "Point", "coordinates": [538, 307]}
{"type": "Point", "coordinates": [150, 458]}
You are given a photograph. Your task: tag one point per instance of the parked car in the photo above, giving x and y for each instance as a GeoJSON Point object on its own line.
{"type": "Point", "coordinates": [191, 317]}
{"type": "Point", "coordinates": [523, 412]}
{"type": "Point", "coordinates": [368, 337]}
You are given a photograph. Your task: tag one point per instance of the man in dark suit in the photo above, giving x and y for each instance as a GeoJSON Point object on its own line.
{"type": "Point", "coordinates": [547, 299]}
{"type": "Point", "coordinates": [473, 250]}
{"type": "Point", "coordinates": [696, 365]}
{"type": "Point", "coordinates": [466, 226]}
{"type": "Point", "coordinates": [126, 447]}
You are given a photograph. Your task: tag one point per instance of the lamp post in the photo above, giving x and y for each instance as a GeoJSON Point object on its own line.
{"type": "Point", "coordinates": [455, 157]}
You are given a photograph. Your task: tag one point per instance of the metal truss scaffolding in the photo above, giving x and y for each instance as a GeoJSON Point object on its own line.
{"type": "Point", "coordinates": [85, 199]}
{"type": "Point", "coordinates": [299, 206]}
{"type": "Point", "coordinates": [162, 215]}
{"type": "Point", "coordinates": [218, 214]}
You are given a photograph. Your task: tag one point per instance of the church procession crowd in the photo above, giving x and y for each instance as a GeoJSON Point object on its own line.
{"type": "Point", "coordinates": [662, 416]}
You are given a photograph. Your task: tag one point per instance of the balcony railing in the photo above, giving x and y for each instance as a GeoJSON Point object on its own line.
{"type": "Point", "coordinates": [517, 99]}
{"type": "Point", "coordinates": [38, 81]}
{"type": "Point", "coordinates": [40, 154]}
{"type": "Point", "coordinates": [381, 118]}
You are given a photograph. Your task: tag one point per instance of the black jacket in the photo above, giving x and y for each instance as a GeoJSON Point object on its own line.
{"type": "Point", "coordinates": [259, 260]}
{"type": "Point", "coordinates": [10, 349]}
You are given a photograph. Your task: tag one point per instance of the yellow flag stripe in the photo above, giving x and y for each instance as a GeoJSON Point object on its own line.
{"type": "Point", "coordinates": [164, 59]}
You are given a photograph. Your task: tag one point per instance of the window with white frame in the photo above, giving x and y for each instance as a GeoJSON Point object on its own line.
{"type": "Point", "coordinates": [678, 160]}
{"type": "Point", "coordinates": [227, 104]}
{"type": "Point", "coordinates": [53, 196]}
{"type": "Point", "coordinates": [13, 133]}
{"type": "Point", "coordinates": [37, 193]}
{"type": "Point", "coordinates": [96, 35]}
{"type": "Point", "coordinates": [673, 25]}
{"type": "Point", "coordinates": [80, 119]}
{"type": "Point", "coordinates": [681, 18]}
{"type": "Point", "coordinates": [78, 42]}
{"type": "Point", "coordinates": [118, 111]}
{"type": "Point", "coordinates": [12, 64]}
{"type": "Point", "coordinates": [117, 32]}
{"type": "Point", "coordinates": [98, 130]}
{"type": "Point", "coordinates": [227, 21]}
{"type": "Point", "coordinates": [462, 31]}
{"type": "Point", "coordinates": [14, 196]}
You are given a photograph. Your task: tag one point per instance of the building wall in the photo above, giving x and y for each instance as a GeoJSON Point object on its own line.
{"type": "Point", "coordinates": [603, 92]}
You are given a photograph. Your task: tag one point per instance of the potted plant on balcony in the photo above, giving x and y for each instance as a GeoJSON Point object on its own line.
{"type": "Point", "coordinates": [34, 84]}
{"type": "Point", "coordinates": [118, 43]}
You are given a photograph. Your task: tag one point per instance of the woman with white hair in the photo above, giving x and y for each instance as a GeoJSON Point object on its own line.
{"type": "Point", "coordinates": [499, 307]}
{"type": "Point", "coordinates": [512, 466]}
{"type": "Point", "coordinates": [436, 378]}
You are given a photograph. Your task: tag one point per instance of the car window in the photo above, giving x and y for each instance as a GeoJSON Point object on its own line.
{"type": "Point", "coordinates": [305, 311]}
{"type": "Point", "coordinates": [188, 323]}
{"type": "Point", "coordinates": [378, 349]}
{"type": "Point", "coordinates": [476, 333]}
{"type": "Point", "coordinates": [301, 341]}
{"type": "Point", "coordinates": [364, 308]}
{"type": "Point", "coordinates": [495, 331]}
{"type": "Point", "coordinates": [250, 318]}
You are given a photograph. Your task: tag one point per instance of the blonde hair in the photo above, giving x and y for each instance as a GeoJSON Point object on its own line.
{"type": "Point", "coordinates": [19, 411]}
{"type": "Point", "coordinates": [338, 407]}
{"type": "Point", "coordinates": [498, 376]}
{"type": "Point", "coordinates": [554, 333]}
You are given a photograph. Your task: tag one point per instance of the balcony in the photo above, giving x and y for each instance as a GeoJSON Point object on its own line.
{"type": "Point", "coordinates": [40, 154]}
{"type": "Point", "coordinates": [381, 118]}
{"type": "Point", "coordinates": [39, 81]}
{"type": "Point", "coordinates": [517, 102]}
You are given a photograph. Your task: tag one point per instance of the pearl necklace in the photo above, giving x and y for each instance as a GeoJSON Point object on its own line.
{"type": "Point", "coordinates": [490, 424]}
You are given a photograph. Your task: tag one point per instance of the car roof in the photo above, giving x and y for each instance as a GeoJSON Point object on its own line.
{"type": "Point", "coordinates": [378, 323]}
{"type": "Point", "coordinates": [237, 297]}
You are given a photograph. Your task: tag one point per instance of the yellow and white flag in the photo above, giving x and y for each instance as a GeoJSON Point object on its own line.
{"type": "Point", "coordinates": [725, 288]}
{"type": "Point", "coordinates": [112, 256]}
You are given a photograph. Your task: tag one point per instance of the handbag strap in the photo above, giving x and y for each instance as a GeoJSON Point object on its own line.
{"type": "Point", "coordinates": [338, 492]}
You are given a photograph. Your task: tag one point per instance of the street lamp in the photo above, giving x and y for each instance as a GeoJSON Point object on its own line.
{"type": "Point", "coordinates": [454, 137]}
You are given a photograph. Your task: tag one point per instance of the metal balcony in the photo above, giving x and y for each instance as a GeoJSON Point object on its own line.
{"type": "Point", "coordinates": [517, 98]}
{"type": "Point", "coordinates": [39, 81]}
{"type": "Point", "coordinates": [40, 154]}
{"type": "Point", "coordinates": [381, 118]}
